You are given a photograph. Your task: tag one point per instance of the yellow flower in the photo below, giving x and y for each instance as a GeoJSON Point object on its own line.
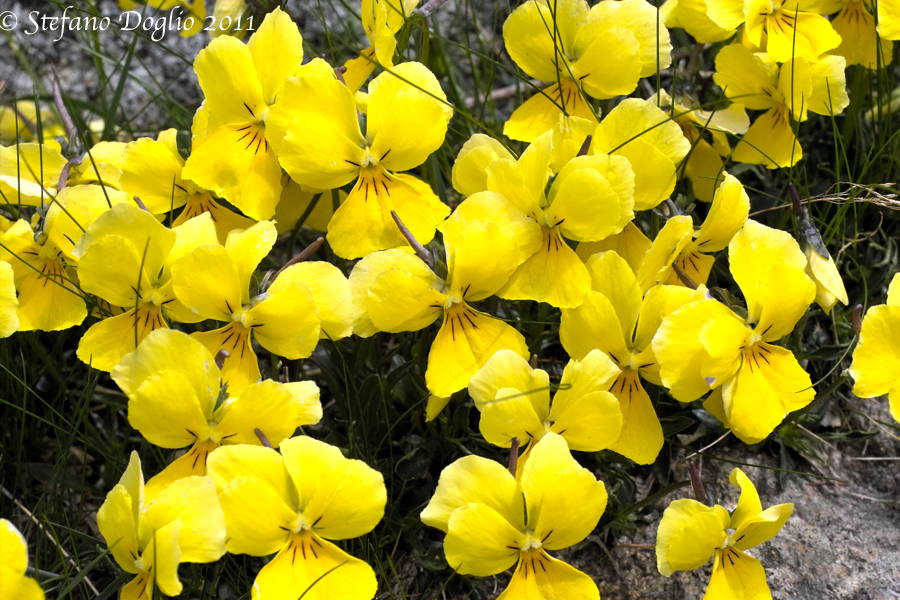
{"type": "Point", "coordinates": [784, 29]}
{"type": "Point", "coordinates": [679, 246]}
{"type": "Point", "coordinates": [13, 561]}
{"type": "Point", "coordinates": [19, 123]}
{"type": "Point", "coordinates": [589, 199]}
{"type": "Point", "coordinates": [226, 17]}
{"type": "Point", "coordinates": [494, 521]}
{"type": "Point", "coordinates": [305, 302]}
{"type": "Point", "coordinates": [395, 291]}
{"type": "Point", "coordinates": [651, 141]}
{"type": "Point", "coordinates": [568, 45]}
{"type": "Point", "coordinates": [786, 93]}
{"type": "Point", "coordinates": [820, 266]}
{"type": "Point", "coordinates": [860, 44]}
{"type": "Point", "coordinates": [173, 388]}
{"type": "Point", "coordinates": [705, 346]}
{"type": "Point", "coordinates": [149, 535]}
{"type": "Point", "coordinates": [102, 164]}
{"type": "Point", "coordinates": [232, 152]}
{"type": "Point", "coordinates": [691, 15]}
{"type": "Point", "coordinates": [29, 173]}
{"type": "Point", "coordinates": [292, 504]}
{"type": "Point", "coordinates": [876, 359]}
{"type": "Point", "coordinates": [324, 148]}
{"type": "Point", "coordinates": [381, 20]}
{"type": "Point", "coordinates": [706, 131]}
{"type": "Point", "coordinates": [619, 319]}
{"type": "Point", "coordinates": [630, 243]}
{"type": "Point", "coordinates": [297, 204]}
{"type": "Point", "coordinates": [9, 303]}
{"type": "Point", "coordinates": [889, 20]}
{"type": "Point", "coordinates": [514, 401]}
{"type": "Point", "coordinates": [690, 533]}
{"type": "Point", "coordinates": [125, 258]}
{"type": "Point", "coordinates": [44, 261]}
{"type": "Point", "coordinates": [152, 171]}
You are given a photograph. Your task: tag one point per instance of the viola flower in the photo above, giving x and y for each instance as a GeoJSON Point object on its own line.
{"type": "Point", "coordinates": [679, 245]}
{"type": "Point", "coordinates": [9, 303]}
{"type": "Point", "coordinates": [619, 320]}
{"type": "Point", "coordinates": [889, 20]}
{"type": "Point", "coordinates": [294, 504]}
{"type": "Point", "coordinates": [30, 172]}
{"type": "Point", "coordinates": [101, 165]}
{"type": "Point", "coordinates": [651, 141]}
{"type": "Point", "coordinates": [705, 346]}
{"type": "Point", "coordinates": [786, 93]}
{"type": "Point", "coordinates": [13, 562]}
{"type": "Point", "coordinates": [860, 43]}
{"type": "Point", "coordinates": [514, 401]}
{"type": "Point", "coordinates": [630, 243]}
{"type": "Point", "coordinates": [820, 266]}
{"type": "Point", "coordinates": [306, 301]}
{"type": "Point", "coordinates": [568, 45]}
{"type": "Point", "coordinates": [876, 359]}
{"type": "Point", "coordinates": [18, 123]}
{"type": "Point", "coordinates": [173, 388]}
{"type": "Point", "coordinates": [125, 258]}
{"type": "Point", "coordinates": [691, 15]}
{"type": "Point", "coordinates": [690, 533]}
{"type": "Point", "coordinates": [149, 535]}
{"type": "Point", "coordinates": [232, 154]}
{"type": "Point", "coordinates": [381, 20]}
{"type": "Point", "coordinates": [297, 204]}
{"type": "Point", "coordinates": [589, 199]}
{"type": "Point", "coordinates": [44, 262]}
{"type": "Point", "coordinates": [324, 148]}
{"type": "Point", "coordinates": [226, 17]}
{"type": "Point", "coordinates": [494, 521]}
{"type": "Point", "coordinates": [706, 131]}
{"type": "Point", "coordinates": [394, 291]}
{"type": "Point", "coordinates": [783, 29]}
{"type": "Point", "coordinates": [152, 171]}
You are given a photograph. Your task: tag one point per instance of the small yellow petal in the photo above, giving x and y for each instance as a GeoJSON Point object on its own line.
{"type": "Point", "coordinates": [688, 535]}
{"type": "Point", "coordinates": [466, 340]}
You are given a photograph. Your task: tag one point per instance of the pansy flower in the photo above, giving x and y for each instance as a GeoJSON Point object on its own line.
{"type": "Point", "coordinates": [705, 346]}
{"type": "Point", "coordinates": [566, 44]}
{"type": "Point", "coordinates": [690, 533]}
{"type": "Point", "coordinates": [150, 535]}
{"type": "Point", "coordinates": [494, 521]}
{"type": "Point", "coordinates": [323, 147]}
{"type": "Point", "coordinates": [296, 504]}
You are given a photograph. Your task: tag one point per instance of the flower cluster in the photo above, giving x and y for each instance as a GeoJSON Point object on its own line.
{"type": "Point", "coordinates": [166, 255]}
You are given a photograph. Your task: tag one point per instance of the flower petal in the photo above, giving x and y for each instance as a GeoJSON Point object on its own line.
{"type": "Point", "coordinates": [315, 569]}
{"type": "Point", "coordinates": [876, 359]}
{"type": "Point", "coordinates": [480, 541]}
{"type": "Point", "coordinates": [340, 498]}
{"type": "Point", "coordinates": [473, 479]}
{"type": "Point", "coordinates": [539, 575]}
{"type": "Point", "coordinates": [564, 501]}
{"type": "Point", "coordinates": [770, 269]}
{"type": "Point", "coordinates": [769, 385]}
{"type": "Point", "coordinates": [466, 340]}
{"type": "Point", "coordinates": [407, 117]}
{"type": "Point", "coordinates": [688, 535]}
